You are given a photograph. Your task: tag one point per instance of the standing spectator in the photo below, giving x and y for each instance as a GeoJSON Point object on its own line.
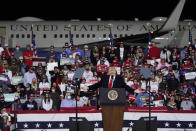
{"type": "Point", "coordinates": [17, 53]}
{"type": "Point", "coordinates": [173, 83]}
{"type": "Point", "coordinates": [30, 104]}
{"type": "Point", "coordinates": [165, 54]}
{"type": "Point", "coordinates": [103, 52]}
{"type": "Point", "coordinates": [87, 53]}
{"type": "Point", "coordinates": [142, 98]}
{"type": "Point", "coordinates": [183, 52]}
{"type": "Point", "coordinates": [52, 54]}
{"type": "Point", "coordinates": [111, 54]}
{"type": "Point", "coordinates": [88, 74]}
{"type": "Point", "coordinates": [47, 102]}
{"type": "Point", "coordinates": [28, 55]}
{"type": "Point", "coordinates": [1, 49]}
{"type": "Point", "coordinates": [7, 52]}
{"type": "Point", "coordinates": [79, 71]}
{"type": "Point", "coordinates": [28, 76]}
{"type": "Point", "coordinates": [121, 52]}
{"type": "Point", "coordinates": [55, 98]}
{"type": "Point", "coordinates": [23, 66]}
{"type": "Point", "coordinates": [94, 55]}
{"type": "Point", "coordinates": [154, 52]}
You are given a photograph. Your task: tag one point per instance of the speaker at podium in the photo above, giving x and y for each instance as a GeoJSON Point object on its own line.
{"type": "Point", "coordinates": [144, 121]}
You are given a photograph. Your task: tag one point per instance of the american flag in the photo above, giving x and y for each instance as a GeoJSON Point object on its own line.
{"type": "Point", "coordinates": [33, 45]}
{"type": "Point", "coordinates": [111, 37]}
{"type": "Point", "coordinates": [60, 121]}
{"type": "Point", "coordinates": [190, 36]}
{"type": "Point", "coordinates": [71, 38]}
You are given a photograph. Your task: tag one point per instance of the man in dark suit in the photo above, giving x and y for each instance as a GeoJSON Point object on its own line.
{"type": "Point", "coordinates": [122, 52]}
{"type": "Point", "coordinates": [111, 81]}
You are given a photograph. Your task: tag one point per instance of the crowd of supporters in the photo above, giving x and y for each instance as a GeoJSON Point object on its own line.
{"type": "Point", "coordinates": [168, 73]}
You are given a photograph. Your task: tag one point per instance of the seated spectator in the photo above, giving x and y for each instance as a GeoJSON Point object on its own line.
{"type": "Point", "coordinates": [30, 104]}
{"type": "Point", "coordinates": [187, 104]}
{"type": "Point", "coordinates": [47, 102]}
{"type": "Point", "coordinates": [81, 101]}
{"type": "Point", "coordinates": [67, 101]}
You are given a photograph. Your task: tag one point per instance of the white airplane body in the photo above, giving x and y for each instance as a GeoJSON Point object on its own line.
{"type": "Point", "coordinates": [86, 32]}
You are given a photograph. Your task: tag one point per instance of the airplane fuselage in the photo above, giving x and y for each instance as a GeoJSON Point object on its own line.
{"type": "Point", "coordinates": [57, 32]}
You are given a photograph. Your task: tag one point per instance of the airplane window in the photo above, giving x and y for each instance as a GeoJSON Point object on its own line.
{"type": "Point", "coordinates": [93, 35]}
{"type": "Point", "coordinates": [55, 35]}
{"type": "Point", "coordinates": [66, 35]}
{"type": "Point", "coordinates": [88, 35]}
{"type": "Point", "coordinates": [34, 35]}
{"type": "Point", "coordinates": [60, 35]}
{"type": "Point", "coordinates": [17, 35]}
{"type": "Point", "coordinates": [121, 35]}
{"type": "Point", "coordinates": [28, 35]}
{"type": "Point", "coordinates": [72, 35]}
{"type": "Point", "coordinates": [44, 35]}
{"type": "Point", "coordinates": [115, 35]}
{"type": "Point", "coordinates": [23, 35]}
{"type": "Point", "coordinates": [12, 36]}
{"type": "Point", "coordinates": [77, 35]}
{"type": "Point", "coordinates": [82, 35]}
{"type": "Point", "coordinates": [104, 35]}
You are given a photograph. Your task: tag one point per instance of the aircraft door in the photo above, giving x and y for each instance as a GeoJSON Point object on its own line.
{"type": "Point", "coordinates": [2, 35]}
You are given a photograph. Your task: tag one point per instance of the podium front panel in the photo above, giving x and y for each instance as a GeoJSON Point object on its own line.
{"type": "Point", "coordinates": [112, 96]}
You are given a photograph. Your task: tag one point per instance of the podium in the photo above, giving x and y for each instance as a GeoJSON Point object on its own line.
{"type": "Point", "coordinates": [112, 101]}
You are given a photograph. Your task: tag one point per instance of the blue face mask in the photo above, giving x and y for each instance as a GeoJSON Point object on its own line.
{"type": "Point", "coordinates": [17, 48]}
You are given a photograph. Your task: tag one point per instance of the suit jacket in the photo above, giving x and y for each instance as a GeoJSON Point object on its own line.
{"type": "Point", "coordinates": [124, 53]}
{"type": "Point", "coordinates": [117, 83]}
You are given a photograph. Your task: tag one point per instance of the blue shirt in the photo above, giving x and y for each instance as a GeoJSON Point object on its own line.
{"type": "Point", "coordinates": [67, 103]}
{"type": "Point", "coordinates": [137, 100]}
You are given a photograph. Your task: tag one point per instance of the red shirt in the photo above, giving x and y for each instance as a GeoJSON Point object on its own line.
{"type": "Point", "coordinates": [7, 55]}
{"type": "Point", "coordinates": [29, 62]}
{"type": "Point", "coordinates": [154, 52]}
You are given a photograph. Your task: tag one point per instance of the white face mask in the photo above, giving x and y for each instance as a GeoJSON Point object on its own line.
{"type": "Point", "coordinates": [68, 97]}
{"type": "Point", "coordinates": [53, 90]}
{"type": "Point", "coordinates": [70, 56]}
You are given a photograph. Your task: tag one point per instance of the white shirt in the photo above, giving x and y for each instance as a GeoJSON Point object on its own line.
{"type": "Point", "coordinates": [88, 76]}
{"type": "Point", "coordinates": [48, 105]}
{"type": "Point", "coordinates": [121, 52]}
{"type": "Point", "coordinates": [112, 80]}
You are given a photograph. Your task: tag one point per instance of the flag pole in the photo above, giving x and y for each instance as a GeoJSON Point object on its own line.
{"type": "Point", "coordinates": [190, 34]}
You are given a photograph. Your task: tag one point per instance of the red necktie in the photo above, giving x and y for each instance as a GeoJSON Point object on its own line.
{"type": "Point", "coordinates": [110, 82]}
